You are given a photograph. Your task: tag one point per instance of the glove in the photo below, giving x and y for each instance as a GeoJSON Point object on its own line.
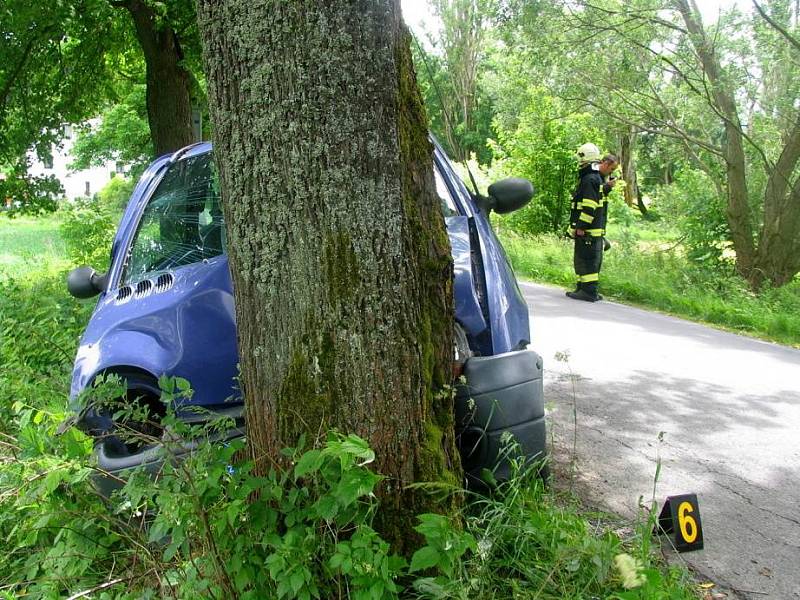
{"type": "Point", "coordinates": [606, 245]}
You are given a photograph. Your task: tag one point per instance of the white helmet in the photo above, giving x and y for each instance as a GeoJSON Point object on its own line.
{"type": "Point", "coordinates": [588, 153]}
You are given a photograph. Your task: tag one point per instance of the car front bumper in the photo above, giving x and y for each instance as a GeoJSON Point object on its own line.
{"type": "Point", "coordinates": [500, 414]}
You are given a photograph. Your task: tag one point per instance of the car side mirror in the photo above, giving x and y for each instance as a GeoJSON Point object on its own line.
{"type": "Point", "coordinates": [85, 282]}
{"type": "Point", "coordinates": [510, 194]}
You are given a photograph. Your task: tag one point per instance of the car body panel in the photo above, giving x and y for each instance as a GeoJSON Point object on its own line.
{"type": "Point", "coordinates": [507, 310]}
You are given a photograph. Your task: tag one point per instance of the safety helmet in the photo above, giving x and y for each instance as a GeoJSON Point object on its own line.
{"type": "Point", "coordinates": [588, 153]}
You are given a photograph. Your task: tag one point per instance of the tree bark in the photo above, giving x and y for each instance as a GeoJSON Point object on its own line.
{"type": "Point", "coordinates": [169, 106]}
{"type": "Point", "coordinates": [632, 194]}
{"type": "Point", "coordinates": [779, 242]}
{"type": "Point", "coordinates": [338, 253]}
{"type": "Point", "coordinates": [738, 210]}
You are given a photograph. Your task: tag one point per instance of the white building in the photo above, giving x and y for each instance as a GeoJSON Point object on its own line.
{"type": "Point", "coordinates": [75, 183]}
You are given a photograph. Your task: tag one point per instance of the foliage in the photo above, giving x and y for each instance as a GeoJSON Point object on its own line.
{"type": "Point", "coordinates": [691, 203]}
{"type": "Point", "coordinates": [449, 75]}
{"type": "Point", "coordinates": [52, 73]}
{"type": "Point", "coordinates": [29, 195]}
{"type": "Point", "coordinates": [88, 229]}
{"type": "Point", "coordinates": [658, 275]}
{"type": "Point", "coordinates": [719, 97]}
{"type": "Point", "coordinates": [39, 329]}
{"type": "Point", "coordinates": [68, 61]}
{"type": "Point", "coordinates": [526, 542]}
{"type": "Point", "coordinates": [211, 527]}
{"type": "Point", "coordinates": [116, 193]}
{"type": "Point", "coordinates": [542, 148]}
{"type": "Point", "coordinates": [122, 135]}
{"type": "Point", "coordinates": [302, 532]}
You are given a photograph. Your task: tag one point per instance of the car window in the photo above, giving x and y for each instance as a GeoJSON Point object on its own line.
{"type": "Point", "coordinates": [182, 223]}
{"type": "Point", "coordinates": [448, 205]}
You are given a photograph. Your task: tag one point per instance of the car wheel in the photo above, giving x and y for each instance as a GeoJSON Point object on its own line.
{"type": "Point", "coordinates": [139, 428]}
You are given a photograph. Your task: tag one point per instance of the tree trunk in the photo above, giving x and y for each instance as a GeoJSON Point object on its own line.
{"type": "Point", "coordinates": [738, 209]}
{"type": "Point", "coordinates": [338, 253]}
{"type": "Point", "coordinates": [169, 107]}
{"type": "Point", "coordinates": [779, 243]}
{"type": "Point", "coordinates": [632, 194]}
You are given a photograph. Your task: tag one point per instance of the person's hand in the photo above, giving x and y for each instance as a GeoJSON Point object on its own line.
{"type": "Point", "coordinates": [611, 182]}
{"type": "Point", "coordinates": [580, 232]}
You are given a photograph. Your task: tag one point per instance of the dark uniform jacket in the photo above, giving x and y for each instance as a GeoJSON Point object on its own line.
{"type": "Point", "coordinates": [589, 203]}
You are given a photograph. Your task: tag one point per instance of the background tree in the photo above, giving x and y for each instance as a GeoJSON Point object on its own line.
{"type": "Point", "coordinates": [122, 134]}
{"type": "Point", "coordinates": [450, 76]}
{"type": "Point", "coordinates": [63, 62]}
{"type": "Point", "coordinates": [48, 64]}
{"type": "Point", "coordinates": [338, 252]}
{"type": "Point", "coordinates": [656, 70]}
{"type": "Point", "coordinates": [163, 30]}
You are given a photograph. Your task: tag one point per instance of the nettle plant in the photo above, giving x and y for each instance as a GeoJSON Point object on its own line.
{"type": "Point", "coordinates": [299, 532]}
{"type": "Point", "coordinates": [207, 525]}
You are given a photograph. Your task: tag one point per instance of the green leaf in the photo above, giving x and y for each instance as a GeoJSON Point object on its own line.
{"type": "Point", "coordinates": [296, 580]}
{"type": "Point", "coordinates": [310, 462]}
{"type": "Point", "coordinates": [358, 447]}
{"type": "Point", "coordinates": [424, 558]}
{"type": "Point", "coordinates": [336, 561]}
{"type": "Point", "coordinates": [326, 508]}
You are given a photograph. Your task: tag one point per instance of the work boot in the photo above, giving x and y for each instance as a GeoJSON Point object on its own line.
{"type": "Point", "coordinates": [583, 295]}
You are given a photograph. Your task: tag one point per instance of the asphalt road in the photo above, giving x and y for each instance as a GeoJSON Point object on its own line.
{"type": "Point", "coordinates": [729, 407]}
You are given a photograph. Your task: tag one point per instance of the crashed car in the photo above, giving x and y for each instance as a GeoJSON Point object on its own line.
{"type": "Point", "coordinates": [166, 308]}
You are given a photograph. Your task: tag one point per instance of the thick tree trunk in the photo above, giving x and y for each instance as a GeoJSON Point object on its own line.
{"type": "Point", "coordinates": [337, 246]}
{"type": "Point", "coordinates": [169, 106]}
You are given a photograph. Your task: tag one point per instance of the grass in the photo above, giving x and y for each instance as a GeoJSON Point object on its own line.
{"type": "Point", "coordinates": [652, 272]}
{"type": "Point", "coordinates": [531, 541]}
{"type": "Point", "coordinates": [29, 241]}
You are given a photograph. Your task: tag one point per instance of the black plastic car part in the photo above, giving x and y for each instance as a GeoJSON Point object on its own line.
{"type": "Point", "coordinates": [500, 414]}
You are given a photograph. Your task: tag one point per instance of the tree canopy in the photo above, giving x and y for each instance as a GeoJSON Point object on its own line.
{"type": "Point", "coordinates": [67, 61]}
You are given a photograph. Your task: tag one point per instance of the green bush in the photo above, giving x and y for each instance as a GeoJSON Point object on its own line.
{"type": "Point", "coordinates": [212, 527]}
{"type": "Point", "coordinates": [89, 224]}
{"type": "Point", "coordinates": [698, 212]}
{"type": "Point", "coordinates": [39, 329]}
{"type": "Point", "coordinates": [116, 193]}
{"type": "Point", "coordinates": [88, 231]}
{"type": "Point", "coordinates": [542, 149]}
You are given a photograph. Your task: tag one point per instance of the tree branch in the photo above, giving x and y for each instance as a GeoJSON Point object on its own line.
{"type": "Point", "coordinates": [9, 83]}
{"type": "Point", "coordinates": [777, 26]}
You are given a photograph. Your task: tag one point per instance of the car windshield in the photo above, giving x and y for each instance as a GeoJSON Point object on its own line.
{"type": "Point", "coordinates": [182, 223]}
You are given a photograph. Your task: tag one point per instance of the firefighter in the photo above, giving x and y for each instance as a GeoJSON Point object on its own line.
{"type": "Point", "coordinates": [588, 218]}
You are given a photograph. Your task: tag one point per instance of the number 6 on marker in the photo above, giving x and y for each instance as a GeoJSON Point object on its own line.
{"type": "Point", "coordinates": [686, 522]}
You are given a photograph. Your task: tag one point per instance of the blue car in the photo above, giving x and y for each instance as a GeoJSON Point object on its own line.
{"type": "Point", "coordinates": [166, 308]}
